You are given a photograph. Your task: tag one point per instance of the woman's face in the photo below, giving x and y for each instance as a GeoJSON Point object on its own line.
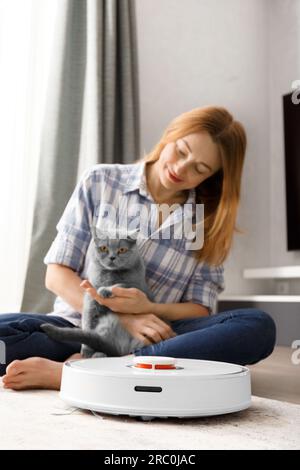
{"type": "Point", "coordinates": [191, 159]}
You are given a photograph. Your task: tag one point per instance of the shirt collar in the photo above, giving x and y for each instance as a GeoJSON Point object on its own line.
{"type": "Point", "coordinates": [137, 181]}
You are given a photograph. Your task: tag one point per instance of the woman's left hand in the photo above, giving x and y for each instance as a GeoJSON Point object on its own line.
{"type": "Point", "coordinates": [124, 300]}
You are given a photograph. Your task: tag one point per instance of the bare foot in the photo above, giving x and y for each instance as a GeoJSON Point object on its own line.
{"type": "Point", "coordinates": [34, 372]}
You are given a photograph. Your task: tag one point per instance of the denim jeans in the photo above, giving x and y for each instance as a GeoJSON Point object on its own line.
{"type": "Point", "coordinates": [241, 336]}
{"type": "Point", "coordinates": [23, 338]}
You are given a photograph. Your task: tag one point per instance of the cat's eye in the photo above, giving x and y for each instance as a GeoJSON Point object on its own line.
{"type": "Point", "coordinates": [122, 250]}
{"type": "Point", "coordinates": [103, 249]}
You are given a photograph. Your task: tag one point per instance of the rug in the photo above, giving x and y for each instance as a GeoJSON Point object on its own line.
{"type": "Point", "coordinates": [39, 419]}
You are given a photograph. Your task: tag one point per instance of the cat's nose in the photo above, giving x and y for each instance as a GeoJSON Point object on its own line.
{"type": "Point", "coordinates": [112, 257]}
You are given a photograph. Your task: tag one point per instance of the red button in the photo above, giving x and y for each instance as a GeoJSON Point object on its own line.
{"type": "Point", "coordinates": [156, 366]}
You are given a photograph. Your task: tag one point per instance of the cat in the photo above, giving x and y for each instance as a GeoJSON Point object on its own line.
{"type": "Point", "coordinates": [115, 261]}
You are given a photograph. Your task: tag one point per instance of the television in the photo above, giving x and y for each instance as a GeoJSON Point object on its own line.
{"type": "Point", "coordinates": [291, 121]}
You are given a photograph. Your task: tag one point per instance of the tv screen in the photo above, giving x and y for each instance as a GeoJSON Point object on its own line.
{"type": "Point", "coordinates": [291, 118]}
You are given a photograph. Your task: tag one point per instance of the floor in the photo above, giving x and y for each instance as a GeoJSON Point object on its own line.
{"type": "Point", "coordinates": [277, 377]}
{"type": "Point", "coordinates": [39, 419]}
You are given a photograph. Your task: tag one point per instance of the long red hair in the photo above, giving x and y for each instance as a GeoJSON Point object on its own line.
{"type": "Point", "coordinates": [220, 193]}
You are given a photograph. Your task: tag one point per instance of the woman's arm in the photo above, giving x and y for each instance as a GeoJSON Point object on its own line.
{"type": "Point", "coordinates": [132, 300]}
{"type": "Point", "coordinates": [179, 311]}
{"type": "Point", "coordinates": [64, 282]}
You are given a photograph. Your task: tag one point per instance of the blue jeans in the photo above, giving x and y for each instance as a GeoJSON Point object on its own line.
{"type": "Point", "coordinates": [23, 338]}
{"type": "Point", "coordinates": [242, 336]}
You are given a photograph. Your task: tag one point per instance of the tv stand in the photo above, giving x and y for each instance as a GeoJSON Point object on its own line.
{"type": "Point", "coordinates": [279, 272]}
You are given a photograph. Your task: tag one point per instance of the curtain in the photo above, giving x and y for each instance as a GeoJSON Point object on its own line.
{"type": "Point", "coordinates": [91, 116]}
{"type": "Point", "coordinates": [26, 38]}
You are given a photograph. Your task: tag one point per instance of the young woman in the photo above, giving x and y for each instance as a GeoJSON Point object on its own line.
{"type": "Point", "coordinates": [198, 160]}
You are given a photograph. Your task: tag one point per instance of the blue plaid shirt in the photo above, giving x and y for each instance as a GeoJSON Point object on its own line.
{"type": "Point", "coordinates": [172, 272]}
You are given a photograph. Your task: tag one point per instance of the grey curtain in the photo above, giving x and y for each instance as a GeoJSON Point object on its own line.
{"type": "Point", "coordinates": [91, 117]}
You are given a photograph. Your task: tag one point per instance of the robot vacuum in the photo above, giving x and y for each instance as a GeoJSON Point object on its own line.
{"type": "Point", "coordinates": [156, 386]}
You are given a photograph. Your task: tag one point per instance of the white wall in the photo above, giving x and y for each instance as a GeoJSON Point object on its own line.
{"type": "Point", "coordinates": [200, 52]}
{"type": "Point", "coordinates": [284, 69]}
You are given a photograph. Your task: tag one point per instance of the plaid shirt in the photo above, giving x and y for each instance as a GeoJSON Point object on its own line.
{"type": "Point", "coordinates": [172, 273]}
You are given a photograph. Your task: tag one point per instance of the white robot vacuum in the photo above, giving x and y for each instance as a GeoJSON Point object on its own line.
{"type": "Point", "coordinates": [155, 386]}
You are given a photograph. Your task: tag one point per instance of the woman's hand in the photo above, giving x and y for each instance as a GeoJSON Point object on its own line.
{"type": "Point", "coordinates": [148, 328]}
{"type": "Point", "coordinates": [129, 300]}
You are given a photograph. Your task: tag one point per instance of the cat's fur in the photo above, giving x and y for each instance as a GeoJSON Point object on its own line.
{"type": "Point", "coordinates": [102, 333]}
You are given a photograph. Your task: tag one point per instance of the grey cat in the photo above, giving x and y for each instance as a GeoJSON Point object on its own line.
{"type": "Point", "coordinates": [115, 260]}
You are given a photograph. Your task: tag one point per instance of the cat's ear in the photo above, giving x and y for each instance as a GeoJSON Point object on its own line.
{"type": "Point", "coordinates": [132, 235]}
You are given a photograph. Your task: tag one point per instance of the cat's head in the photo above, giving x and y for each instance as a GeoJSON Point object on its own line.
{"type": "Point", "coordinates": [115, 249]}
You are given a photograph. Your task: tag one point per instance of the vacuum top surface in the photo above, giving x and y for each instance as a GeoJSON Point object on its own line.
{"type": "Point", "coordinates": [149, 365]}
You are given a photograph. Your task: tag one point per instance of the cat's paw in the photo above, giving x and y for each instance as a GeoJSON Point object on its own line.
{"type": "Point", "coordinates": [86, 352]}
{"type": "Point", "coordinates": [105, 292]}
{"type": "Point", "coordinates": [99, 354]}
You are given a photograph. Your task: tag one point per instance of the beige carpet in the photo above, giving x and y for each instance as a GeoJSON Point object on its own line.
{"type": "Point", "coordinates": [38, 419]}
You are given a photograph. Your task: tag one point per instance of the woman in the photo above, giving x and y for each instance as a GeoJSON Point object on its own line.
{"type": "Point", "coordinates": [198, 160]}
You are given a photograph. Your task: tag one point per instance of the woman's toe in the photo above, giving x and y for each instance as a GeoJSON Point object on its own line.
{"type": "Point", "coordinates": [12, 382]}
{"type": "Point", "coordinates": [15, 386]}
{"type": "Point", "coordinates": [14, 368]}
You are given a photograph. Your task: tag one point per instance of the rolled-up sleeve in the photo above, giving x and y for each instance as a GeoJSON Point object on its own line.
{"type": "Point", "coordinates": [72, 240]}
{"type": "Point", "coordinates": [206, 283]}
